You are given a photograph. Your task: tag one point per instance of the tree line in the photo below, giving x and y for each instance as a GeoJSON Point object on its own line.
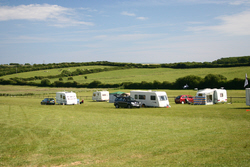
{"type": "Point", "coordinates": [12, 68]}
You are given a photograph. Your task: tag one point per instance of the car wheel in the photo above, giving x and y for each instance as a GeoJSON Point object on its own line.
{"type": "Point", "coordinates": [116, 106]}
{"type": "Point", "coordinates": [129, 106]}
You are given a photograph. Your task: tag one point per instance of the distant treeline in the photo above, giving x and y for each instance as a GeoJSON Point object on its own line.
{"type": "Point", "coordinates": [66, 73]}
{"type": "Point", "coordinates": [13, 68]}
{"type": "Point", "coordinates": [209, 81]}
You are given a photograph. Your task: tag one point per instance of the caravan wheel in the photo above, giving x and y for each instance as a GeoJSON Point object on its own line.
{"type": "Point", "coordinates": [143, 105]}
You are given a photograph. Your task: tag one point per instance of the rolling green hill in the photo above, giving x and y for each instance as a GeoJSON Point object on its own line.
{"type": "Point", "coordinates": [136, 74]}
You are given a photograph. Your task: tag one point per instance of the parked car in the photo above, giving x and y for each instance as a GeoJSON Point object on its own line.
{"type": "Point", "coordinates": [48, 101]}
{"type": "Point", "coordinates": [126, 102]}
{"type": "Point", "coordinates": [184, 99]}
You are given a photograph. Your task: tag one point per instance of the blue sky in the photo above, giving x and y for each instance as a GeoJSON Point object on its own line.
{"type": "Point", "coordinates": [137, 31]}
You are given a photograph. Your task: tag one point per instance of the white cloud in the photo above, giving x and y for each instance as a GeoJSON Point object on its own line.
{"type": "Point", "coordinates": [58, 14]}
{"type": "Point", "coordinates": [237, 24]}
{"type": "Point", "coordinates": [239, 2]}
{"type": "Point", "coordinates": [128, 14]}
{"type": "Point", "coordinates": [133, 15]}
{"type": "Point", "coordinates": [142, 18]}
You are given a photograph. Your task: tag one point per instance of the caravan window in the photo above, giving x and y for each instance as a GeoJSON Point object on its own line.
{"type": "Point", "coordinates": [63, 97]}
{"type": "Point", "coordinates": [163, 98]}
{"type": "Point", "coordinates": [136, 96]}
{"type": "Point", "coordinates": [60, 96]}
{"type": "Point", "coordinates": [152, 98]}
{"type": "Point", "coordinates": [221, 94]}
{"type": "Point", "coordinates": [142, 97]}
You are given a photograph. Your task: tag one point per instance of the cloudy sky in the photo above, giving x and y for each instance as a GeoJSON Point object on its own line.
{"type": "Point", "coordinates": [137, 31]}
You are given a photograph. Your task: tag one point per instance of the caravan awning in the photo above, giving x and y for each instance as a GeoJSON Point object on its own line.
{"type": "Point", "coordinates": [117, 93]}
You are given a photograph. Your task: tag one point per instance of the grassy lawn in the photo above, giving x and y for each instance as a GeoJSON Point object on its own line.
{"type": "Point", "coordinates": [98, 134]}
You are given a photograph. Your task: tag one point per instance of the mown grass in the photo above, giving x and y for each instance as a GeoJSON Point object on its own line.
{"type": "Point", "coordinates": [98, 134]}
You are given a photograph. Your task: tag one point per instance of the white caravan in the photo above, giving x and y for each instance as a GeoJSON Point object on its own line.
{"type": "Point", "coordinates": [66, 98]}
{"type": "Point", "coordinates": [248, 96]}
{"type": "Point", "coordinates": [101, 96]}
{"type": "Point", "coordinates": [150, 98]}
{"type": "Point", "coordinates": [210, 96]}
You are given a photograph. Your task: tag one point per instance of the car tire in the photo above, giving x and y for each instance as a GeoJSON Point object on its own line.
{"type": "Point", "coordinates": [129, 106]}
{"type": "Point", "coordinates": [117, 106]}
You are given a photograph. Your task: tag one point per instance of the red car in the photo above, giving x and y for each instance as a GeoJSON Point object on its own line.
{"type": "Point", "coordinates": [184, 99]}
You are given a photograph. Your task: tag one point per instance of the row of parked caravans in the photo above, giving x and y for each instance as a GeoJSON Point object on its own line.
{"type": "Point", "coordinates": [148, 98]}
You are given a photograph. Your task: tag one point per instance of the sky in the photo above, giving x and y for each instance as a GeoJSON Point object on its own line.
{"type": "Point", "coordinates": [134, 31]}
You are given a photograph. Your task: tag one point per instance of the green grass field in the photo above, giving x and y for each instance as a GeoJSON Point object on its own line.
{"type": "Point", "coordinates": [138, 75]}
{"type": "Point", "coordinates": [55, 71]}
{"type": "Point", "coordinates": [98, 134]}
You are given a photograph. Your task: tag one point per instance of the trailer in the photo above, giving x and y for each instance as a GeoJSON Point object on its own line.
{"type": "Point", "coordinates": [101, 96]}
{"type": "Point", "coordinates": [150, 98]}
{"type": "Point", "coordinates": [66, 98]}
{"type": "Point", "coordinates": [210, 96]}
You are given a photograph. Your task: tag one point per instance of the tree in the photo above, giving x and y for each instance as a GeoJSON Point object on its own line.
{"type": "Point", "coordinates": [45, 82]}
{"type": "Point", "coordinates": [192, 81]}
{"type": "Point", "coordinates": [214, 80]}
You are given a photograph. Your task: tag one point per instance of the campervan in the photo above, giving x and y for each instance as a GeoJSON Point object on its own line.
{"type": "Point", "coordinates": [150, 98]}
{"type": "Point", "coordinates": [210, 96]}
{"type": "Point", "coordinates": [66, 98]}
{"type": "Point", "coordinates": [248, 96]}
{"type": "Point", "coordinates": [100, 96]}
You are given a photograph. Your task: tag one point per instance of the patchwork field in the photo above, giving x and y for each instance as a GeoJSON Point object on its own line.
{"type": "Point", "coordinates": [136, 75]}
{"type": "Point", "coordinates": [98, 134]}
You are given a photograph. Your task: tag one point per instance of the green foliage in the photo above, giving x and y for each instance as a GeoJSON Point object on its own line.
{"type": "Point", "coordinates": [192, 81]}
{"type": "Point", "coordinates": [223, 62]}
{"type": "Point", "coordinates": [45, 82]}
{"type": "Point", "coordinates": [65, 73]}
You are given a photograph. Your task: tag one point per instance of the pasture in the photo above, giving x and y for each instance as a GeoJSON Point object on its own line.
{"type": "Point", "coordinates": [135, 75]}
{"type": "Point", "coordinates": [98, 134]}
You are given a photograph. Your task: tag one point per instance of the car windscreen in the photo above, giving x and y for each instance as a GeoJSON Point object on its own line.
{"type": "Point", "coordinates": [130, 99]}
{"type": "Point", "coordinates": [178, 97]}
{"type": "Point", "coordinates": [163, 98]}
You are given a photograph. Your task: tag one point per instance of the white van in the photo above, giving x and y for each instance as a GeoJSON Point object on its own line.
{"type": "Point", "coordinates": [150, 98]}
{"type": "Point", "coordinates": [66, 98]}
{"type": "Point", "coordinates": [101, 96]}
